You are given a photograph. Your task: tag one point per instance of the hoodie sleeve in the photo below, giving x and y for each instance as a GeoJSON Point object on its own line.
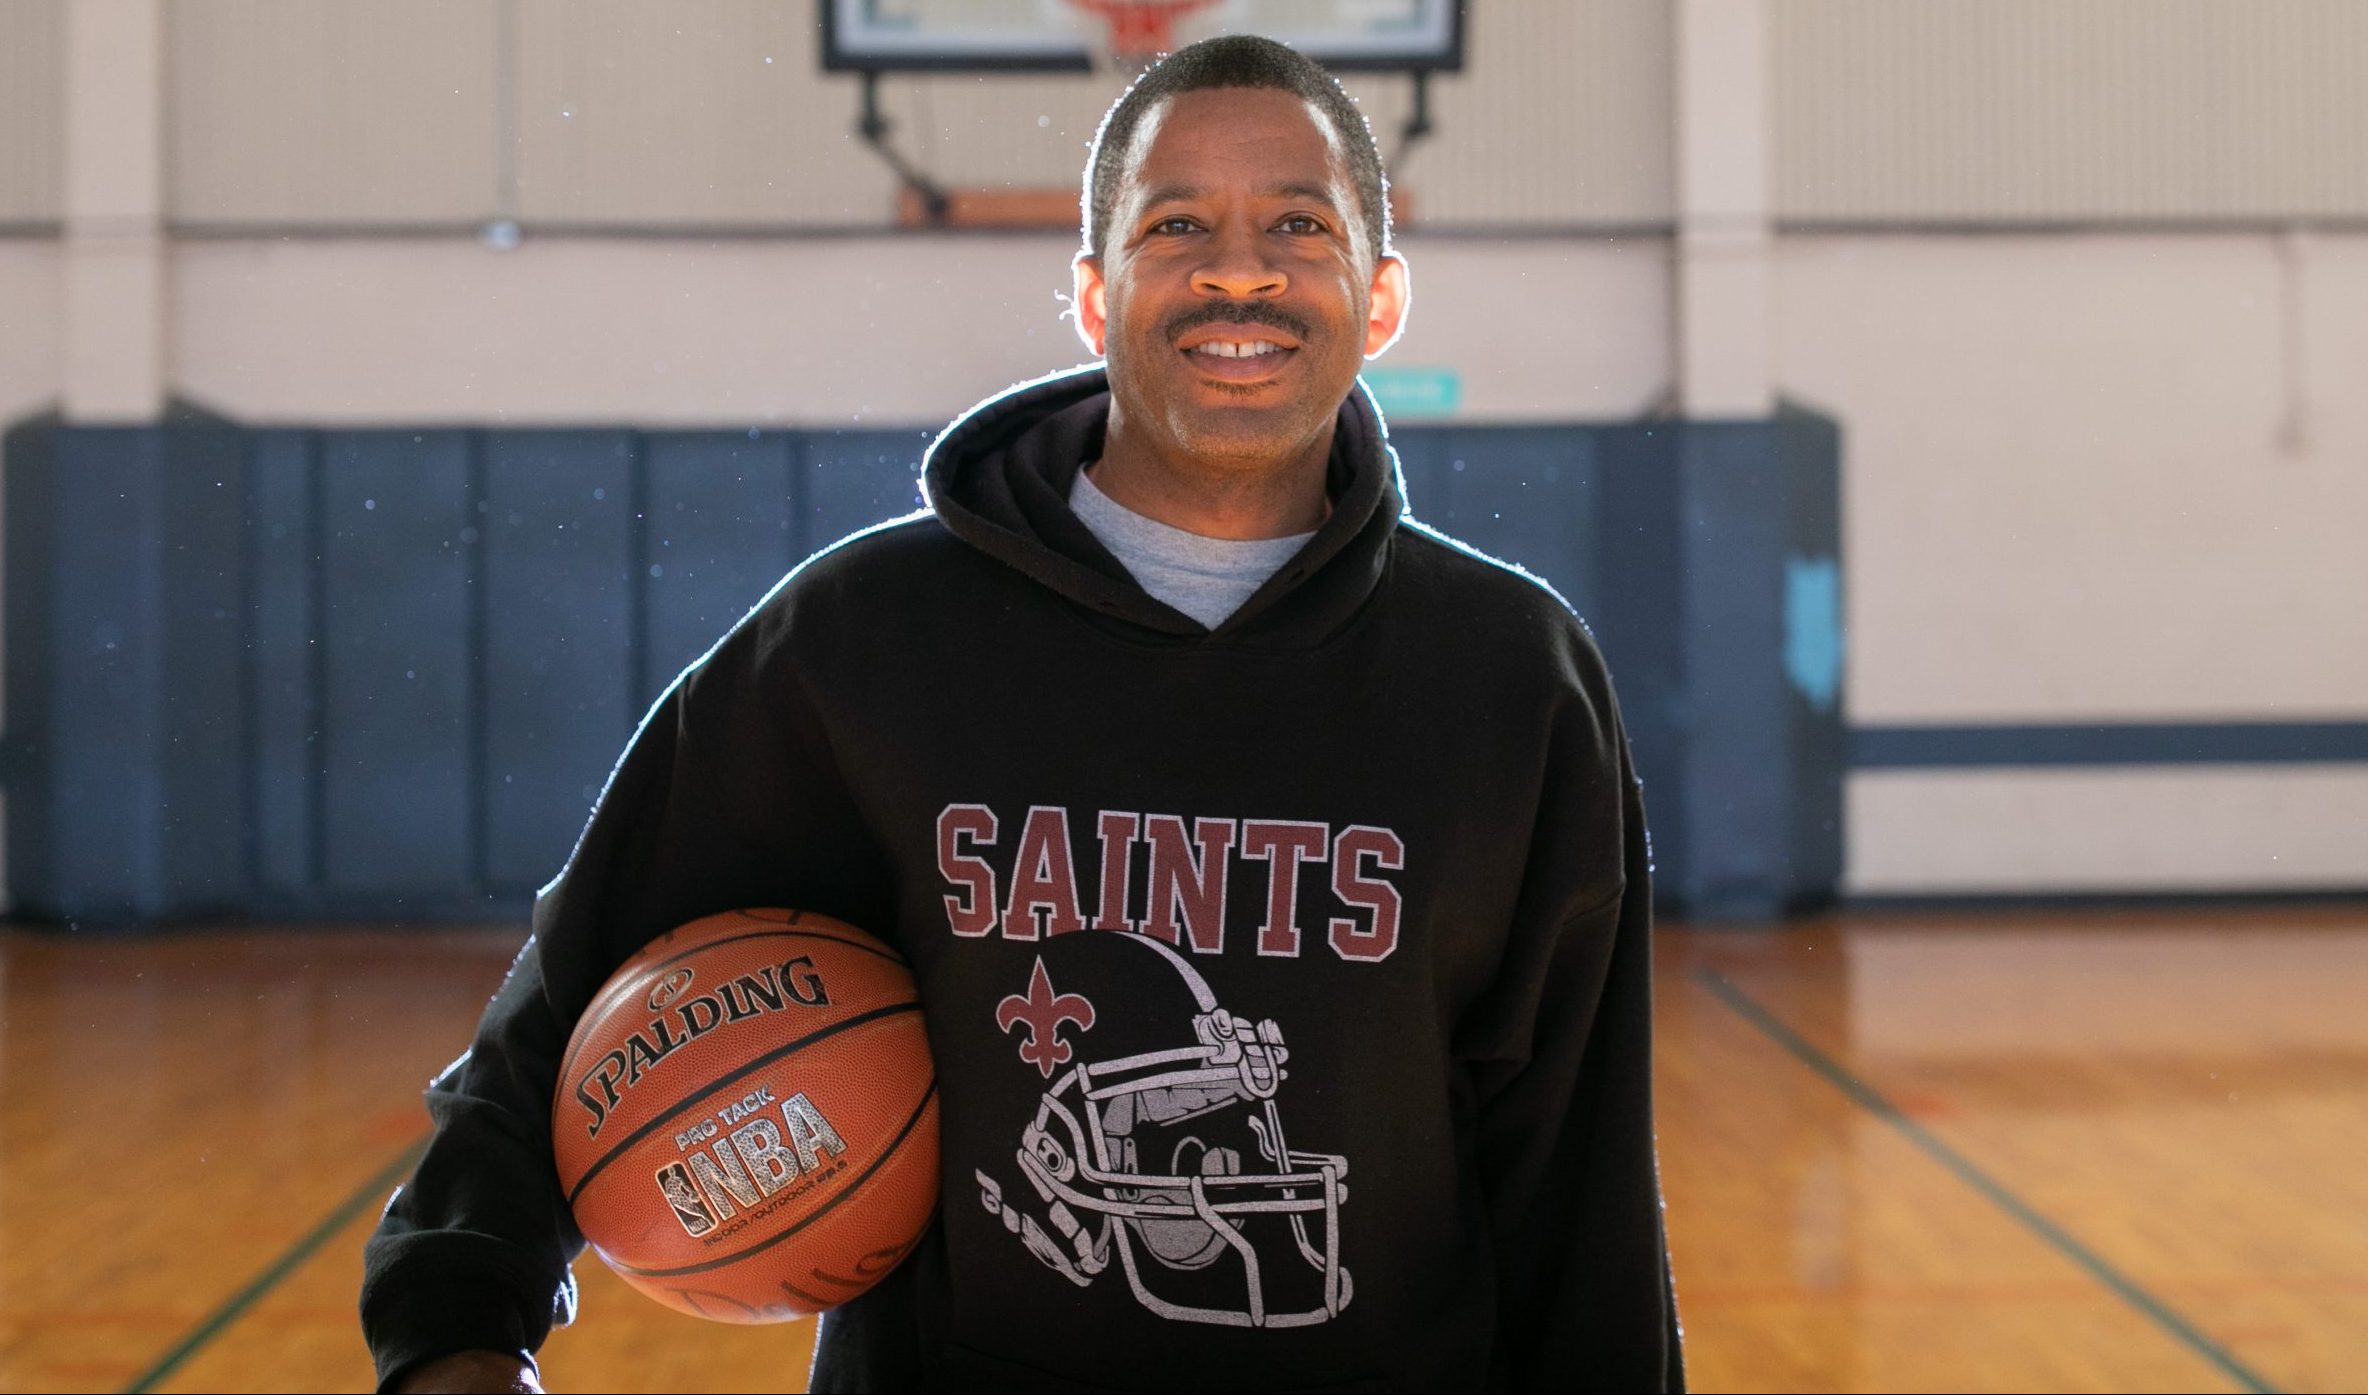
{"type": "Point", "coordinates": [1563, 1080]}
{"type": "Point", "coordinates": [725, 797]}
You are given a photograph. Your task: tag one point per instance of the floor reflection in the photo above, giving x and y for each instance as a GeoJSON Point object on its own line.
{"type": "Point", "coordinates": [2078, 1151]}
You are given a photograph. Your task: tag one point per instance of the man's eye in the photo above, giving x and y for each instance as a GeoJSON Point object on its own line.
{"type": "Point", "coordinates": [1301, 223]}
{"type": "Point", "coordinates": [1166, 225]}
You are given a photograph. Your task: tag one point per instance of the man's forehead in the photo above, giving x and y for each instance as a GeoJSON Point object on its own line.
{"type": "Point", "coordinates": [1243, 112]}
{"type": "Point", "coordinates": [1153, 194]}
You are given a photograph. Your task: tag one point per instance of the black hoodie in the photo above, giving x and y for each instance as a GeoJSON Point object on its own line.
{"type": "Point", "coordinates": [1378, 825]}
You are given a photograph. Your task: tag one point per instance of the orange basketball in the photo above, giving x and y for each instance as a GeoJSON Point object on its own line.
{"type": "Point", "coordinates": [746, 1120]}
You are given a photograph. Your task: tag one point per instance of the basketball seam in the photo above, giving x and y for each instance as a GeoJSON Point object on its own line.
{"type": "Point", "coordinates": [894, 1146]}
{"type": "Point", "coordinates": [567, 1065]}
{"type": "Point", "coordinates": [738, 1072]}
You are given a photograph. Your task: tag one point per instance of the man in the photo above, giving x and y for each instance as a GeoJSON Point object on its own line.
{"type": "Point", "coordinates": [1162, 745]}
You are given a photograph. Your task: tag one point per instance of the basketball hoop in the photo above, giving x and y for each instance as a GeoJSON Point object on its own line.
{"type": "Point", "coordinates": [1131, 34]}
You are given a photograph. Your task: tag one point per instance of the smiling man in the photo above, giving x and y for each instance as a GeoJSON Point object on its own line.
{"type": "Point", "coordinates": [1271, 865]}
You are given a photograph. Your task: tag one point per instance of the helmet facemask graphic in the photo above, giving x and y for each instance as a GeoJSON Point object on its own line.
{"type": "Point", "coordinates": [1173, 1163]}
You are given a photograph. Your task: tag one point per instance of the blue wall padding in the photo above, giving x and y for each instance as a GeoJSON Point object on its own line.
{"type": "Point", "coordinates": [1703, 524]}
{"type": "Point", "coordinates": [397, 629]}
{"type": "Point", "coordinates": [723, 526]}
{"type": "Point", "coordinates": [283, 609]}
{"type": "Point", "coordinates": [128, 726]}
{"type": "Point", "coordinates": [201, 718]}
{"type": "Point", "coordinates": [30, 449]}
{"type": "Point", "coordinates": [1731, 514]}
{"type": "Point", "coordinates": [1817, 743]}
{"type": "Point", "coordinates": [556, 601]}
{"type": "Point", "coordinates": [1638, 560]}
{"type": "Point", "coordinates": [1522, 493]}
{"type": "Point", "coordinates": [369, 674]}
{"type": "Point", "coordinates": [852, 479]}
{"type": "Point", "coordinates": [108, 645]}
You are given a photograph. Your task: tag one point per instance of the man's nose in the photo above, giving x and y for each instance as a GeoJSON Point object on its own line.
{"type": "Point", "coordinates": [1238, 267]}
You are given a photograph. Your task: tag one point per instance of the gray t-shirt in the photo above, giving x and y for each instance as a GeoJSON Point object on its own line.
{"type": "Point", "coordinates": [1206, 578]}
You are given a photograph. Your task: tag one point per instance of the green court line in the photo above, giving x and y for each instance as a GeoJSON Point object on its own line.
{"type": "Point", "coordinates": [1872, 1100]}
{"type": "Point", "coordinates": [370, 1193]}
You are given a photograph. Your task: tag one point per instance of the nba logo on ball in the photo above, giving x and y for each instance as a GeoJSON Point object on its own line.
{"type": "Point", "coordinates": [765, 1075]}
{"type": "Point", "coordinates": [675, 1181]}
{"type": "Point", "coordinates": [751, 1164]}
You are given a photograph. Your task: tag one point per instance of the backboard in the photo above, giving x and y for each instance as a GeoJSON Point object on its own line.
{"type": "Point", "coordinates": [1067, 35]}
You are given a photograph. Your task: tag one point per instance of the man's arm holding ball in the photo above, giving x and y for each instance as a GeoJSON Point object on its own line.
{"type": "Point", "coordinates": [725, 797]}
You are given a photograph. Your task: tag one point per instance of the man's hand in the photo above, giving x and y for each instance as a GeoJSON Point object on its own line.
{"type": "Point", "coordinates": [472, 1373]}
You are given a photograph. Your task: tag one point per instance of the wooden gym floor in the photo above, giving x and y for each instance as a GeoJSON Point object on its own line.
{"type": "Point", "coordinates": [2078, 1151]}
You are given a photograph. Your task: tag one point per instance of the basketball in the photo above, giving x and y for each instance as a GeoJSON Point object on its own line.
{"type": "Point", "coordinates": [746, 1117]}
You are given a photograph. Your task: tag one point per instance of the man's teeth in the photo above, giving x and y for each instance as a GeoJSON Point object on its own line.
{"type": "Point", "coordinates": [1250, 349]}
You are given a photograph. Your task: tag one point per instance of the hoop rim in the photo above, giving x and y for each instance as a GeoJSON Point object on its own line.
{"type": "Point", "coordinates": [1134, 33]}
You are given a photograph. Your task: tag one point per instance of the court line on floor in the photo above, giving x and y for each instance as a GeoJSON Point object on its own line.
{"type": "Point", "coordinates": [370, 1193]}
{"type": "Point", "coordinates": [1867, 1097]}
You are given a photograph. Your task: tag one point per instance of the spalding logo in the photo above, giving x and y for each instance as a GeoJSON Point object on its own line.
{"type": "Point", "coordinates": [676, 1019]}
{"type": "Point", "coordinates": [669, 988]}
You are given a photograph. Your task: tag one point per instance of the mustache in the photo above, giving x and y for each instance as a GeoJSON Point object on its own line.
{"type": "Point", "coordinates": [1237, 312]}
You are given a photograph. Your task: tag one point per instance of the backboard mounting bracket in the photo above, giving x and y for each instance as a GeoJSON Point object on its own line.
{"type": "Point", "coordinates": [873, 127]}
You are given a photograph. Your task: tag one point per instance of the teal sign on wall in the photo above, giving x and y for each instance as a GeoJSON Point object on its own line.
{"type": "Point", "coordinates": [1415, 391]}
{"type": "Point", "coordinates": [1813, 629]}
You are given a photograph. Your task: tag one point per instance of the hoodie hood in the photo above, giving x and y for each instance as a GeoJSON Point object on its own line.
{"type": "Point", "coordinates": [999, 479]}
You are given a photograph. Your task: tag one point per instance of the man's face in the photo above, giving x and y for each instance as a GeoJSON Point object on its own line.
{"type": "Point", "coordinates": [1235, 298]}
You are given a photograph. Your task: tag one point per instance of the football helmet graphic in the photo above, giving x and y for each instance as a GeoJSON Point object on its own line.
{"type": "Point", "coordinates": [1157, 1146]}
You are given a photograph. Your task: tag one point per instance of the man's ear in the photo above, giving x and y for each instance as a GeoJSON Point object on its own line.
{"type": "Point", "coordinates": [1392, 292]}
{"type": "Point", "coordinates": [1089, 302]}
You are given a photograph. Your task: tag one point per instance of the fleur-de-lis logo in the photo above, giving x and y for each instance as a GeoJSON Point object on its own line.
{"type": "Point", "coordinates": [1043, 1012]}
